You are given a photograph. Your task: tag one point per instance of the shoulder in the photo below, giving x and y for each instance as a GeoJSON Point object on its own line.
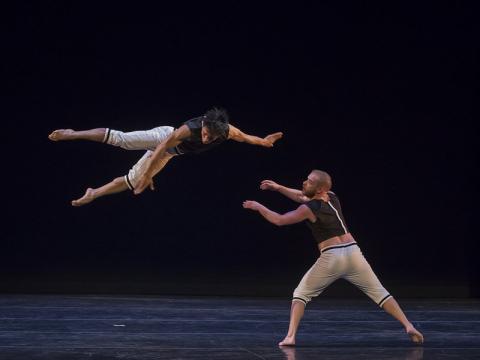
{"type": "Point", "coordinates": [313, 204]}
{"type": "Point", "coordinates": [195, 123]}
{"type": "Point", "coordinates": [307, 212]}
{"type": "Point", "coordinates": [332, 195]}
{"type": "Point", "coordinates": [333, 199]}
{"type": "Point", "coordinates": [232, 132]}
{"type": "Point", "coordinates": [182, 132]}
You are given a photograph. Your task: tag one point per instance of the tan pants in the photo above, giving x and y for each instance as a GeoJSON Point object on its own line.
{"type": "Point", "coordinates": [140, 140]}
{"type": "Point", "coordinates": [341, 261]}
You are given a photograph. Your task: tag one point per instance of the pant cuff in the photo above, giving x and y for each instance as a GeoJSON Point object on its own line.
{"type": "Point", "coordinates": [107, 135]}
{"type": "Point", "coordinates": [129, 184]}
{"type": "Point", "coordinates": [384, 300]}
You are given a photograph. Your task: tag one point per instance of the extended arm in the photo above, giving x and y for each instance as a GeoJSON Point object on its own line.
{"type": "Point", "coordinates": [172, 140]}
{"type": "Point", "coordinates": [293, 194]}
{"type": "Point", "coordinates": [303, 212]}
{"type": "Point", "coordinates": [240, 136]}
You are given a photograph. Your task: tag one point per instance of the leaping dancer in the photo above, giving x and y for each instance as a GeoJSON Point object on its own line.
{"type": "Point", "coordinates": [162, 144]}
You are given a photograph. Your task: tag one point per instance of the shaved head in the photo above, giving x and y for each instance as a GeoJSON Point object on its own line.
{"type": "Point", "coordinates": [322, 180]}
{"type": "Point", "coordinates": [317, 182]}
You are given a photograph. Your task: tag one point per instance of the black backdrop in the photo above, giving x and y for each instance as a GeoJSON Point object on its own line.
{"type": "Point", "coordinates": [380, 96]}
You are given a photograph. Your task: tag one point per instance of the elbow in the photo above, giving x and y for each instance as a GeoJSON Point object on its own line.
{"type": "Point", "coordinates": [278, 222]}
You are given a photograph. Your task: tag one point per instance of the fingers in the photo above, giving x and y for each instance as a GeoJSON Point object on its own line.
{"type": "Point", "coordinates": [278, 134]}
{"type": "Point", "coordinates": [152, 186]}
{"type": "Point", "coordinates": [139, 188]}
{"type": "Point", "coordinates": [267, 184]}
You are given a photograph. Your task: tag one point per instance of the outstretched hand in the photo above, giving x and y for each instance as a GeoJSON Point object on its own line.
{"type": "Point", "coordinates": [252, 205]}
{"type": "Point", "coordinates": [142, 184]}
{"type": "Point", "coordinates": [269, 185]}
{"type": "Point", "coordinates": [270, 139]}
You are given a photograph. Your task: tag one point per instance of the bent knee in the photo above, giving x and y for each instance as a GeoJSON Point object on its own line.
{"type": "Point", "coordinates": [303, 295]}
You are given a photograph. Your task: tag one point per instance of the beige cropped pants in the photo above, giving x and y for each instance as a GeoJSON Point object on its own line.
{"type": "Point", "coordinates": [341, 261]}
{"type": "Point", "coordinates": [141, 140]}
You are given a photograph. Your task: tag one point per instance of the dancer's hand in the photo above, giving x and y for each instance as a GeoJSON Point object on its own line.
{"type": "Point", "coordinates": [269, 185]}
{"type": "Point", "coordinates": [270, 139]}
{"type": "Point", "coordinates": [252, 205]}
{"type": "Point", "coordinates": [142, 184]}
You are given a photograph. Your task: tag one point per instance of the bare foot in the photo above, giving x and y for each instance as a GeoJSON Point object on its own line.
{"type": "Point", "coordinates": [61, 134]}
{"type": "Point", "coordinates": [288, 341]}
{"type": "Point", "coordinates": [414, 334]}
{"type": "Point", "coordinates": [85, 199]}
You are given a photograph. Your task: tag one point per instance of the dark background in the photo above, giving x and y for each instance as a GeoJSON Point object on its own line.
{"type": "Point", "coordinates": [379, 95]}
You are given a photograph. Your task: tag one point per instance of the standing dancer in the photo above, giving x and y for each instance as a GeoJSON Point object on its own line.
{"type": "Point", "coordinates": [162, 144]}
{"type": "Point", "coordinates": [340, 256]}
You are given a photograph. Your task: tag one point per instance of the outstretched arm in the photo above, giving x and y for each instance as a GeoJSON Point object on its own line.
{"type": "Point", "coordinates": [303, 212]}
{"type": "Point", "coordinates": [172, 140]}
{"type": "Point", "coordinates": [293, 194]}
{"type": "Point", "coordinates": [240, 136]}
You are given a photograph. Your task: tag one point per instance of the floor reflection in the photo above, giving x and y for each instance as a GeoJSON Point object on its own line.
{"type": "Point", "coordinates": [299, 353]}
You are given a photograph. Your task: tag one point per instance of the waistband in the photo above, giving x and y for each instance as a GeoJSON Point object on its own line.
{"type": "Point", "coordinates": [338, 246]}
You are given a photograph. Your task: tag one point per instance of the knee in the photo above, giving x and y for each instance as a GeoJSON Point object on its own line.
{"type": "Point", "coordinates": [302, 296]}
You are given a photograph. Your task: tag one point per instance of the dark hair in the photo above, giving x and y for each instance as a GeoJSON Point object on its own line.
{"type": "Point", "coordinates": [217, 114]}
{"type": "Point", "coordinates": [216, 120]}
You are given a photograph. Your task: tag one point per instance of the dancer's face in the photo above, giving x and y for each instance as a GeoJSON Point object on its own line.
{"type": "Point", "coordinates": [310, 186]}
{"type": "Point", "coordinates": [207, 137]}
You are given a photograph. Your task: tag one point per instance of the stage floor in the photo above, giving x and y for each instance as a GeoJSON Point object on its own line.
{"type": "Point", "coordinates": [66, 327]}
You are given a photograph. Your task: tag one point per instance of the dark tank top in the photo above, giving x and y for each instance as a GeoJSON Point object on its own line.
{"type": "Point", "coordinates": [330, 221]}
{"type": "Point", "coordinates": [194, 144]}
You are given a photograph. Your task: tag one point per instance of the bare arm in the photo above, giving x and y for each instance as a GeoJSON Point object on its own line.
{"type": "Point", "coordinates": [302, 213]}
{"type": "Point", "coordinates": [240, 136]}
{"type": "Point", "coordinates": [172, 140]}
{"type": "Point", "coordinates": [293, 194]}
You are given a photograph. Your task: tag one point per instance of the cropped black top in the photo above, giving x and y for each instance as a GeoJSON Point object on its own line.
{"type": "Point", "coordinates": [194, 144]}
{"type": "Point", "coordinates": [330, 221]}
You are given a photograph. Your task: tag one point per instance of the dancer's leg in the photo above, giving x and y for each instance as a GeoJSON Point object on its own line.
{"type": "Point", "coordinates": [391, 307]}
{"type": "Point", "coordinates": [296, 314]}
{"type": "Point", "coordinates": [121, 183]}
{"type": "Point", "coordinates": [113, 187]}
{"type": "Point", "coordinates": [361, 275]}
{"type": "Point", "coordinates": [138, 169]}
{"type": "Point", "coordinates": [97, 135]}
{"type": "Point", "coordinates": [325, 271]}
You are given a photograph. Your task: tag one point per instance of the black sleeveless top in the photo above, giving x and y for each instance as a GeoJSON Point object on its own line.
{"type": "Point", "coordinates": [194, 144]}
{"type": "Point", "coordinates": [330, 221]}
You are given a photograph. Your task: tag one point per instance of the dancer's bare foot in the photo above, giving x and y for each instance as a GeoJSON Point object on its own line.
{"type": "Point", "coordinates": [414, 334]}
{"type": "Point", "coordinates": [85, 199]}
{"type": "Point", "coordinates": [61, 134]}
{"type": "Point", "coordinates": [288, 341]}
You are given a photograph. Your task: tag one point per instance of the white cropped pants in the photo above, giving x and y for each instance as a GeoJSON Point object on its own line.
{"type": "Point", "coordinates": [141, 140]}
{"type": "Point", "coordinates": [341, 261]}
